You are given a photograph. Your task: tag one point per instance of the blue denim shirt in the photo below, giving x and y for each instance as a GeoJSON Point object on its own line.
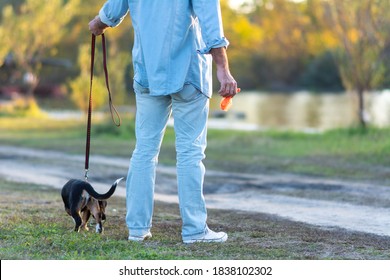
{"type": "Point", "coordinates": [172, 41]}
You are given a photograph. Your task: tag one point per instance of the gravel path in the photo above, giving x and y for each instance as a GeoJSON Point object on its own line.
{"type": "Point", "coordinates": [328, 203]}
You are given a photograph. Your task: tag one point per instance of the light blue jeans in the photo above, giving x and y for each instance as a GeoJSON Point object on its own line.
{"type": "Point", "coordinates": [190, 109]}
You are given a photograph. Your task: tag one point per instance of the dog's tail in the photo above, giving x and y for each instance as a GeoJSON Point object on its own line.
{"type": "Point", "coordinates": [99, 196]}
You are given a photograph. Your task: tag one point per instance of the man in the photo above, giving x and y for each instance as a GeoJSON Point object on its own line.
{"type": "Point", "coordinates": [173, 40]}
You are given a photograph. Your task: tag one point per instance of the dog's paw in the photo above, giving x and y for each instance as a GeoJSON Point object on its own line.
{"type": "Point", "coordinates": [99, 228]}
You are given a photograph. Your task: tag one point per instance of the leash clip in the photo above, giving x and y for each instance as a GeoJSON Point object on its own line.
{"type": "Point", "coordinates": [86, 175]}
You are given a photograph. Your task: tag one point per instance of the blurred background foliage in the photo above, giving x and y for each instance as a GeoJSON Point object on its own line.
{"type": "Point", "coordinates": [276, 45]}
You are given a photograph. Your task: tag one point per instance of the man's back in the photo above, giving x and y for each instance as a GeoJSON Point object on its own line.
{"type": "Point", "coordinates": [171, 39]}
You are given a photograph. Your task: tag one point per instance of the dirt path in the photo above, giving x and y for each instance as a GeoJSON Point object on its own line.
{"type": "Point", "coordinates": [317, 201]}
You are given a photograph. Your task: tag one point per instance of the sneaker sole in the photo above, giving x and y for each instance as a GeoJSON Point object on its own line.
{"type": "Point", "coordinates": [219, 240]}
{"type": "Point", "coordinates": [139, 238]}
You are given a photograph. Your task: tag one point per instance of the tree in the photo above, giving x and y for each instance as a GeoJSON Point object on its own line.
{"type": "Point", "coordinates": [30, 31]}
{"type": "Point", "coordinates": [244, 37]}
{"type": "Point", "coordinates": [119, 41]}
{"type": "Point", "coordinates": [80, 85]}
{"type": "Point", "coordinates": [289, 40]}
{"type": "Point", "coordinates": [360, 27]}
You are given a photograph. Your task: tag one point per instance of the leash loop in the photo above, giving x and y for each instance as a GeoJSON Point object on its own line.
{"type": "Point", "coordinates": [116, 120]}
{"type": "Point", "coordinates": [113, 110]}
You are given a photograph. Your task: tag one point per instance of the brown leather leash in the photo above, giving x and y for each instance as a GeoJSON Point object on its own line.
{"type": "Point", "coordinates": [117, 120]}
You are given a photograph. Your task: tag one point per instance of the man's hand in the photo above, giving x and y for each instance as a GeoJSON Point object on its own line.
{"type": "Point", "coordinates": [96, 26]}
{"type": "Point", "coordinates": [228, 84]}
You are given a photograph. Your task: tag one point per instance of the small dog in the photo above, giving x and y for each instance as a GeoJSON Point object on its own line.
{"type": "Point", "coordinates": [81, 200]}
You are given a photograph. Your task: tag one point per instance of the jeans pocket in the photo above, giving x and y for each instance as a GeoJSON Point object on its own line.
{"type": "Point", "coordinates": [188, 93]}
{"type": "Point", "coordinates": [138, 89]}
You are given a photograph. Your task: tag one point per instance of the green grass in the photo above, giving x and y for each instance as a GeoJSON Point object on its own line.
{"type": "Point", "coordinates": [33, 225]}
{"type": "Point", "coordinates": [345, 153]}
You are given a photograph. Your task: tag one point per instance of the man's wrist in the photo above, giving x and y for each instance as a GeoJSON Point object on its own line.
{"type": "Point", "coordinates": [100, 24]}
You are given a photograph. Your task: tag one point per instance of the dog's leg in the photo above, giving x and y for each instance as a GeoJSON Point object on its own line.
{"type": "Point", "coordinates": [99, 227]}
{"type": "Point", "coordinates": [85, 218]}
{"type": "Point", "coordinates": [98, 219]}
{"type": "Point", "coordinates": [77, 219]}
{"type": "Point", "coordinates": [67, 210]}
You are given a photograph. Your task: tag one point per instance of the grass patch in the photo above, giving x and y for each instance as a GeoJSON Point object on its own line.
{"type": "Point", "coordinates": [34, 226]}
{"type": "Point", "coordinates": [344, 153]}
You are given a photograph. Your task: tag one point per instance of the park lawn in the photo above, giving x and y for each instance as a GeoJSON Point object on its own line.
{"type": "Point", "coordinates": [353, 153]}
{"type": "Point", "coordinates": [34, 226]}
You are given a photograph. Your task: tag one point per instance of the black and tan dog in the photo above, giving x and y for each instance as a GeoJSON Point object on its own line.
{"type": "Point", "coordinates": [81, 200]}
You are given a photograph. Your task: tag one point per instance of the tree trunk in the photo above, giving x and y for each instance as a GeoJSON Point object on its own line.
{"type": "Point", "coordinates": [362, 112]}
{"type": "Point", "coordinates": [31, 81]}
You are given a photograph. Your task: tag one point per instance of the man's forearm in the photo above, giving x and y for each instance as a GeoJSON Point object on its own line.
{"type": "Point", "coordinates": [220, 57]}
{"type": "Point", "coordinates": [228, 84]}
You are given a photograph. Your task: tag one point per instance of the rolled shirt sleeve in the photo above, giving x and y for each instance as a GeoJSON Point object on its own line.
{"type": "Point", "coordinates": [113, 12]}
{"type": "Point", "coordinates": [209, 16]}
{"type": "Point", "coordinates": [171, 41]}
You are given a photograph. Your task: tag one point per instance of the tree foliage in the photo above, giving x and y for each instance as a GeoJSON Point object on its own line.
{"type": "Point", "coordinates": [275, 44]}
{"type": "Point", "coordinates": [119, 43]}
{"type": "Point", "coordinates": [33, 30]}
{"type": "Point", "coordinates": [361, 27]}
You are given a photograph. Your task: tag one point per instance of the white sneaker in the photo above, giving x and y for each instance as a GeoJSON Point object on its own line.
{"type": "Point", "coordinates": [140, 238]}
{"type": "Point", "coordinates": [210, 236]}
